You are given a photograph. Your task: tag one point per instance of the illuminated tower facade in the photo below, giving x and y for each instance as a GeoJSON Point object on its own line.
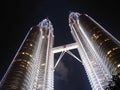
{"type": "Point", "coordinates": [32, 67]}
{"type": "Point", "coordinates": [99, 50]}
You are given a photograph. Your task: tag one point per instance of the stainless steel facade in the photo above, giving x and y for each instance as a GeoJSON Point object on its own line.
{"type": "Point", "coordinates": [98, 49]}
{"type": "Point", "coordinates": [32, 67]}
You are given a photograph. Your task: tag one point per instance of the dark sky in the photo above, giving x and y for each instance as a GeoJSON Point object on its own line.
{"type": "Point", "coordinates": [18, 16]}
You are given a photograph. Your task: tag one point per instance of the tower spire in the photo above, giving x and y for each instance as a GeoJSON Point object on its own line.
{"type": "Point", "coordinates": [46, 24]}
{"type": "Point", "coordinates": [73, 16]}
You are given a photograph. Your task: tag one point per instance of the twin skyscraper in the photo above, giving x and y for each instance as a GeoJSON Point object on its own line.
{"type": "Point", "coordinates": [33, 66]}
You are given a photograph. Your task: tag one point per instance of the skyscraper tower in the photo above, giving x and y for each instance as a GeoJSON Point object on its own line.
{"type": "Point", "coordinates": [98, 49]}
{"type": "Point", "coordinates": [32, 67]}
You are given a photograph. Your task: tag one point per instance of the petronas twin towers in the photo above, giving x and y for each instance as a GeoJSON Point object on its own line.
{"type": "Point", "coordinates": [33, 65]}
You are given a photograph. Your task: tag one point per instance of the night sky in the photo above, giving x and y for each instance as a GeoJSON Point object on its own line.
{"type": "Point", "coordinates": [17, 17]}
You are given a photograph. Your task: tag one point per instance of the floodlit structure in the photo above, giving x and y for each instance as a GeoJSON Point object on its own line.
{"type": "Point", "coordinates": [98, 49]}
{"type": "Point", "coordinates": [33, 65]}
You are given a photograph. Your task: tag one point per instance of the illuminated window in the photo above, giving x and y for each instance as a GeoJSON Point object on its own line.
{"type": "Point", "coordinates": [43, 64]}
{"type": "Point", "coordinates": [118, 65]}
{"type": "Point", "coordinates": [39, 86]}
{"type": "Point", "coordinates": [20, 72]}
{"type": "Point", "coordinates": [28, 54]}
{"type": "Point", "coordinates": [113, 49]}
{"type": "Point", "coordinates": [109, 52]}
{"type": "Point", "coordinates": [97, 36]}
{"type": "Point", "coordinates": [28, 62]}
{"type": "Point", "coordinates": [31, 45]}
{"type": "Point", "coordinates": [104, 41]}
{"type": "Point", "coordinates": [23, 52]}
{"type": "Point", "coordinates": [23, 60]}
{"type": "Point", "coordinates": [22, 65]}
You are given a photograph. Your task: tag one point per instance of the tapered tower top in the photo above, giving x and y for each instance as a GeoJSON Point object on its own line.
{"type": "Point", "coordinates": [46, 24]}
{"type": "Point", "coordinates": [73, 16]}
